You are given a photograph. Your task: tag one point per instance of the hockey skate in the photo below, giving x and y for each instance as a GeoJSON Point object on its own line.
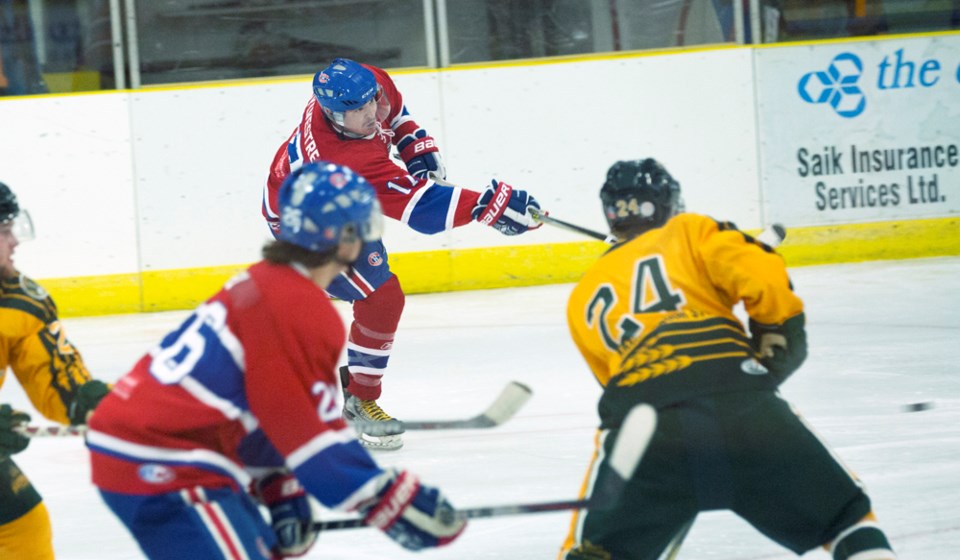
{"type": "Point", "coordinates": [375, 428]}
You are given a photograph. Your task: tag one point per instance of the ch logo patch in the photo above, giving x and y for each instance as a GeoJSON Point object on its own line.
{"type": "Point", "coordinates": [837, 86]}
{"type": "Point", "coordinates": [374, 259]}
{"type": "Point", "coordinates": [153, 473]}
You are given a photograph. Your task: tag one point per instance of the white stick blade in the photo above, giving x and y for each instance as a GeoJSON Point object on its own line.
{"type": "Point", "coordinates": [632, 441]}
{"type": "Point", "coordinates": [511, 399]}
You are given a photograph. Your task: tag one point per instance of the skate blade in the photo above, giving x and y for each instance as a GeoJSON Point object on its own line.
{"type": "Point", "coordinates": [381, 443]}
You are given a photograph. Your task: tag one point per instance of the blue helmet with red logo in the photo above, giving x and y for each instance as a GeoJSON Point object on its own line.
{"type": "Point", "coordinates": [344, 85]}
{"type": "Point", "coordinates": [323, 204]}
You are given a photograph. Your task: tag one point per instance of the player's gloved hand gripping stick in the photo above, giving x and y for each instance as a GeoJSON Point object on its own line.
{"type": "Point", "coordinates": [631, 443]}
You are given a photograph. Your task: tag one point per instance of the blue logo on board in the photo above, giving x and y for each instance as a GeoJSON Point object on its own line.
{"type": "Point", "coordinates": [837, 85]}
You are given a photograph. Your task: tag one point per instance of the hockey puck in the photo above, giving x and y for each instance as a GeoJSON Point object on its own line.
{"type": "Point", "coordinates": [917, 406]}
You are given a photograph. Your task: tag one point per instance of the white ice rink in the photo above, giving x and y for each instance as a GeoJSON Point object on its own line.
{"type": "Point", "coordinates": [882, 335]}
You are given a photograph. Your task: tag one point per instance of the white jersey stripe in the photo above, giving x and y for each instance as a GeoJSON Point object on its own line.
{"type": "Point", "coordinates": [217, 524]}
{"type": "Point", "coordinates": [366, 350]}
{"type": "Point", "coordinates": [452, 209]}
{"type": "Point", "coordinates": [412, 203]}
{"type": "Point", "coordinates": [317, 444]}
{"type": "Point", "coordinates": [271, 212]}
{"type": "Point", "coordinates": [168, 455]}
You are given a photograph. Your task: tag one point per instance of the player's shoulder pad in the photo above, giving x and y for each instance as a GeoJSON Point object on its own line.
{"type": "Point", "coordinates": [32, 289]}
{"type": "Point", "coordinates": [23, 286]}
{"type": "Point", "coordinates": [21, 293]}
{"type": "Point", "coordinates": [732, 227]}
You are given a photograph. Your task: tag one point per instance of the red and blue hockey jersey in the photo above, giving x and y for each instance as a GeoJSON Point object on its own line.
{"type": "Point", "coordinates": [245, 385]}
{"type": "Point", "coordinates": [420, 203]}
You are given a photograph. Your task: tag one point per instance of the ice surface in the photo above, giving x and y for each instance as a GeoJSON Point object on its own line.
{"type": "Point", "coordinates": [882, 335]}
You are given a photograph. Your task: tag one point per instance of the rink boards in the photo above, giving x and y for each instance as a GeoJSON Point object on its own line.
{"type": "Point", "coordinates": [148, 200]}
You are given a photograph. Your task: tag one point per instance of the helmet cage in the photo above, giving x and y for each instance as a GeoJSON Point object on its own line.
{"type": "Point", "coordinates": [11, 213]}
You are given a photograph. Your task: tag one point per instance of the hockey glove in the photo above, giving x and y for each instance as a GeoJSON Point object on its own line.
{"type": "Point", "coordinates": [10, 441]}
{"type": "Point", "coordinates": [87, 398]}
{"type": "Point", "coordinates": [413, 515]}
{"type": "Point", "coordinates": [290, 514]}
{"type": "Point", "coordinates": [782, 348]}
{"type": "Point", "coordinates": [506, 209]}
{"type": "Point", "coordinates": [420, 153]}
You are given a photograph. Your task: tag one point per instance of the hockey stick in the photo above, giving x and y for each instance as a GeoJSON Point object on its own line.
{"type": "Point", "coordinates": [547, 219]}
{"type": "Point", "coordinates": [510, 400]}
{"type": "Point", "coordinates": [673, 549]}
{"type": "Point", "coordinates": [635, 434]}
{"type": "Point", "coordinates": [54, 430]}
{"type": "Point", "coordinates": [772, 236]}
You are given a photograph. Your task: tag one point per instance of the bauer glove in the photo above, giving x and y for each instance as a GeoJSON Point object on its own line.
{"type": "Point", "coordinates": [506, 209]}
{"type": "Point", "coordinates": [291, 516]}
{"type": "Point", "coordinates": [11, 442]}
{"type": "Point", "coordinates": [413, 515]}
{"type": "Point", "coordinates": [781, 348]}
{"type": "Point", "coordinates": [420, 154]}
{"type": "Point", "coordinates": [86, 399]}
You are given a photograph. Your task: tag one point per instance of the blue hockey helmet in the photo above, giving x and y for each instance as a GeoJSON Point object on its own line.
{"type": "Point", "coordinates": [323, 204]}
{"type": "Point", "coordinates": [343, 86]}
{"type": "Point", "coordinates": [639, 193]}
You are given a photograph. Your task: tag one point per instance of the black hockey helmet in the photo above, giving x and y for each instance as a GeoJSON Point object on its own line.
{"type": "Point", "coordinates": [9, 209]}
{"type": "Point", "coordinates": [639, 193]}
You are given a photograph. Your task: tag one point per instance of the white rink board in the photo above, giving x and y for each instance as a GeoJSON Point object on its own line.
{"type": "Point", "coordinates": [68, 160]}
{"type": "Point", "coordinates": [171, 178]}
{"type": "Point", "coordinates": [185, 192]}
{"type": "Point", "coordinates": [203, 155]}
{"type": "Point", "coordinates": [555, 129]}
{"type": "Point", "coordinates": [910, 89]}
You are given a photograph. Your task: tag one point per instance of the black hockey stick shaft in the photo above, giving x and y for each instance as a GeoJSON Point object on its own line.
{"type": "Point", "coordinates": [772, 236]}
{"type": "Point", "coordinates": [547, 219]}
{"type": "Point", "coordinates": [635, 434]}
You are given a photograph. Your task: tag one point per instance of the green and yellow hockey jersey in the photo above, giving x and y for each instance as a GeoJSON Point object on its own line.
{"type": "Point", "coordinates": [655, 313]}
{"type": "Point", "coordinates": [34, 345]}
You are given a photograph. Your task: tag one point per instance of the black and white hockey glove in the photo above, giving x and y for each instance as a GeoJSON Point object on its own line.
{"type": "Point", "coordinates": [11, 442]}
{"type": "Point", "coordinates": [781, 348]}
{"type": "Point", "coordinates": [506, 209]}
{"type": "Point", "coordinates": [86, 399]}
{"type": "Point", "coordinates": [413, 515]}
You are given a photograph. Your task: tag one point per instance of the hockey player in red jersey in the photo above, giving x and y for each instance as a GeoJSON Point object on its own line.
{"type": "Point", "coordinates": [355, 117]}
{"type": "Point", "coordinates": [238, 406]}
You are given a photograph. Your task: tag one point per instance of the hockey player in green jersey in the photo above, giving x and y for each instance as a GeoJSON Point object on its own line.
{"type": "Point", "coordinates": [654, 320]}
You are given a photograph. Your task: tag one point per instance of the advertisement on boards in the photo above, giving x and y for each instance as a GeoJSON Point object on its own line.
{"type": "Point", "coordinates": [860, 131]}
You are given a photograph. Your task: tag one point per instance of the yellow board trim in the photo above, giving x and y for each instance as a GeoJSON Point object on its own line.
{"type": "Point", "coordinates": [872, 241]}
{"type": "Point", "coordinates": [500, 267]}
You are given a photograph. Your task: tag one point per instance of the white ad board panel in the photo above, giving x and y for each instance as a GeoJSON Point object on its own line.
{"type": "Point", "coordinates": [68, 161]}
{"type": "Point", "coordinates": [860, 131]}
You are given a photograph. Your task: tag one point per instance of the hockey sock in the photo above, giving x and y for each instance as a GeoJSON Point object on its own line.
{"type": "Point", "coordinates": [375, 321]}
